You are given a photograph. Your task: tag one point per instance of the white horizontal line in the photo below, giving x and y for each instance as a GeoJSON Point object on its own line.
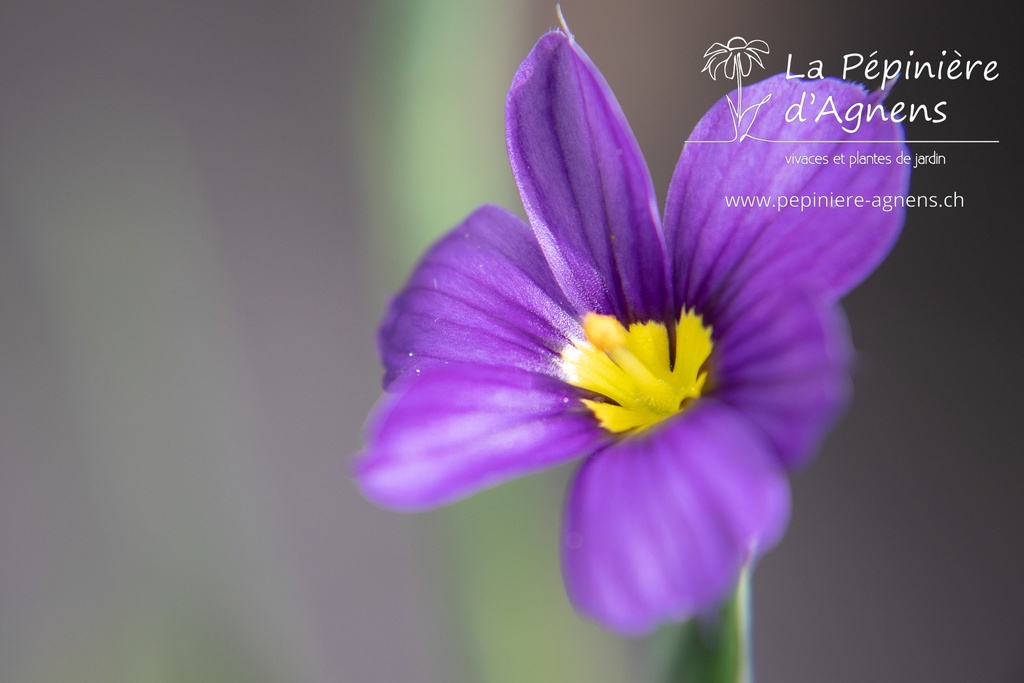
{"type": "Point", "coordinates": [858, 142]}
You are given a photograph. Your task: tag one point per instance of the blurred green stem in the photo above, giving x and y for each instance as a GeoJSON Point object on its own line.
{"type": "Point", "coordinates": [716, 648]}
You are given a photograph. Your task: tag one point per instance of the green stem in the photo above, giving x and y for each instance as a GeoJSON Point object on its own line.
{"type": "Point", "coordinates": [716, 649]}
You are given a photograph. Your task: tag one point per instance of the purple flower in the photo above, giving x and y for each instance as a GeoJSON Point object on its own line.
{"type": "Point", "coordinates": [690, 361]}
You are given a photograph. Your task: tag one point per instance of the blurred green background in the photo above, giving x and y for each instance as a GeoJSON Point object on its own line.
{"type": "Point", "coordinates": [203, 210]}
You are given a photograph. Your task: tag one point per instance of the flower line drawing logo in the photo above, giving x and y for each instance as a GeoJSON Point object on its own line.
{"type": "Point", "coordinates": [736, 58]}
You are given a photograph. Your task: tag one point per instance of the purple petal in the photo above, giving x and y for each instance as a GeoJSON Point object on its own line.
{"type": "Point", "coordinates": [585, 185]}
{"type": "Point", "coordinates": [460, 429]}
{"type": "Point", "coordinates": [782, 363]}
{"type": "Point", "coordinates": [658, 526]}
{"type": "Point", "coordinates": [722, 252]}
{"type": "Point", "coordinates": [484, 294]}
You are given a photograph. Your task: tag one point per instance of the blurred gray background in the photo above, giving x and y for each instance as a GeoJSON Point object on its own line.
{"type": "Point", "coordinates": [202, 211]}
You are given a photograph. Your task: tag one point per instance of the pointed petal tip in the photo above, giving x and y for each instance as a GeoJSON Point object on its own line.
{"type": "Point", "coordinates": [828, 247]}
{"type": "Point", "coordinates": [585, 184]}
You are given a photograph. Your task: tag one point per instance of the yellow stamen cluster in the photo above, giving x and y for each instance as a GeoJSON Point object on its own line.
{"type": "Point", "coordinates": [632, 370]}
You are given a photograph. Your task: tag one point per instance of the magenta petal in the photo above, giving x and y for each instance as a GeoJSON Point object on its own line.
{"type": "Point", "coordinates": [457, 430]}
{"type": "Point", "coordinates": [483, 294]}
{"type": "Point", "coordinates": [585, 185]}
{"type": "Point", "coordinates": [658, 526]}
{"type": "Point", "coordinates": [722, 253]}
{"type": "Point", "coordinates": [783, 364]}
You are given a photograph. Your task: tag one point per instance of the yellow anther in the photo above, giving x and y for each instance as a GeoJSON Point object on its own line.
{"type": "Point", "coordinates": [604, 331]}
{"type": "Point", "coordinates": [632, 372]}
{"type": "Point", "coordinates": [607, 334]}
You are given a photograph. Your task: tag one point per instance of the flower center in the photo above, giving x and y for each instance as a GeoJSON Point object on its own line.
{"type": "Point", "coordinates": [631, 369]}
